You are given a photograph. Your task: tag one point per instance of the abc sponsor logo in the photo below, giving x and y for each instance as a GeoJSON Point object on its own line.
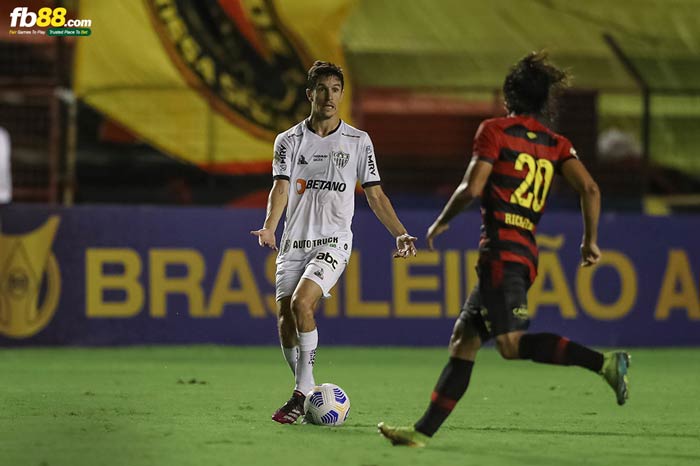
{"type": "Point", "coordinates": [327, 258]}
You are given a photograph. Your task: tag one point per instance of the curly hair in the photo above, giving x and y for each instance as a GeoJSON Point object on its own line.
{"type": "Point", "coordinates": [533, 84]}
{"type": "Point", "coordinates": [321, 69]}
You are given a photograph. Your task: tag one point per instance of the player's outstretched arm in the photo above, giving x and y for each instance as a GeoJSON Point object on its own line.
{"type": "Point", "coordinates": [382, 208]}
{"type": "Point", "coordinates": [276, 203]}
{"type": "Point", "coordinates": [469, 189]}
{"type": "Point", "coordinates": [579, 178]}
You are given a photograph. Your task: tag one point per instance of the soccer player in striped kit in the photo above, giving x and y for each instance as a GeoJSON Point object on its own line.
{"type": "Point", "coordinates": [513, 162]}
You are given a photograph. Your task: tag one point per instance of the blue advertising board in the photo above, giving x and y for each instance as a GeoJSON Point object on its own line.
{"type": "Point", "coordinates": [107, 275]}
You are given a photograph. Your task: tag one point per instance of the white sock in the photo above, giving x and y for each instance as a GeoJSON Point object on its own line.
{"type": "Point", "coordinates": [308, 341]}
{"type": "Point", "coordinates": [291, 355]}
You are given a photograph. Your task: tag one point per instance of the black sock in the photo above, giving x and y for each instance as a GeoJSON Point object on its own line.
{"type": "Point", "coordinates": [549, 348]}
{"type": "Point", "coordinates": [452, 384]}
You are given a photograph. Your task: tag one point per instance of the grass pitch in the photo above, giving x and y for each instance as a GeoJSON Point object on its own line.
{"type": "Point", "coordinates": [212, 405]}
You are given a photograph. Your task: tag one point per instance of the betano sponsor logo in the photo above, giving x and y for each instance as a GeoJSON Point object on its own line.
{"type": "Point", "coordinates": [52, 19]}
{"type": "Point", "coordinates": [29, 273]}
{"type": "Point", "coordinates": [320, 185]}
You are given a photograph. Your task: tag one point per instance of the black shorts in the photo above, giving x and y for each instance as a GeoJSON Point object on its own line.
{"type": "Point", "coordinates": [498, 303]}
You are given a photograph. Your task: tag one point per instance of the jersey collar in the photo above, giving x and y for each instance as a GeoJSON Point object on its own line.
{"type": "Point", "coordinates": [307, 122]}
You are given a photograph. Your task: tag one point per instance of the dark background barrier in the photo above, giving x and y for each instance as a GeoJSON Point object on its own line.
{"type": "Point", "coordinates": [145, 275]}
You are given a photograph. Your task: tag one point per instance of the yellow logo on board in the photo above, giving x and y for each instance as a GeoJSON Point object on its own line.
{"type": "Point", "coordinates": [531, 135]}
{"type": "Point", "coordinates": [24, 261]}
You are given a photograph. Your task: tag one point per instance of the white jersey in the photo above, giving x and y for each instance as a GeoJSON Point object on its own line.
{"type": "Point", "coordinates": [322, 174]}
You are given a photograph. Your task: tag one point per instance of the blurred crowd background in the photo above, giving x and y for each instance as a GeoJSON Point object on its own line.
{"type": "Point", "coordinates": [177, 102]}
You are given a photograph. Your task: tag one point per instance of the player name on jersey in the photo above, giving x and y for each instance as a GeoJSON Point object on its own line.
{"type": "Point", "coordinates": [519, 221]}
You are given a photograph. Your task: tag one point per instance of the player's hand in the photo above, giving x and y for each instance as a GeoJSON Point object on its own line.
{"type": "Point", "coordinates": [435, 230]}
{"type": "Point", "coordinates": [405, 246]}
{"type": "Point", "coordinates": [266, 237]}
{"type": "Point", "coordinates": [590, 254]}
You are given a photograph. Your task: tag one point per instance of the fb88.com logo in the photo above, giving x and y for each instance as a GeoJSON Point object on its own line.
{"type": "Point", "coordinates": [45, 17]}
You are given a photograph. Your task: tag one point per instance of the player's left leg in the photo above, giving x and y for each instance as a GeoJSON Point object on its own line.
{"type": "Point", "coordinates": [510, 322]}
{"type": "Point", "coordinates": [549, 348]}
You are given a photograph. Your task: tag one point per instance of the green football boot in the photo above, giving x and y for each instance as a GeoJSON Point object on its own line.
{"type": "Point", "coordinates": [614, 371]}
{"type": "Point", "coordinates": [403, 436]}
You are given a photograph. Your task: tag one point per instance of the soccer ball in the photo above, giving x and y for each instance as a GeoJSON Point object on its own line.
{"type": "Point", "coordinates": [327, 405]}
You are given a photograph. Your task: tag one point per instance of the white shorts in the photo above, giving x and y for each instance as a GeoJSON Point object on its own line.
{"type": "Point", "coordinates": [323, 266]}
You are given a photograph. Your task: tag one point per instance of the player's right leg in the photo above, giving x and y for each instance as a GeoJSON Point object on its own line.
{"type": "Point", "coordinates": [287, 329]}
{"type": "Point", "coordinates": [452, 384]}
{"type": "Point", "coordinates": [303, 304]}
{"type": "Point", "coordinates": [287, 277]}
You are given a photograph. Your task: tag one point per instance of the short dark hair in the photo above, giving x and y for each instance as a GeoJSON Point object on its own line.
{"type": "Point", "coordinates": [533, 84]}
{"type": "Point", "coordinates": [321, 69]}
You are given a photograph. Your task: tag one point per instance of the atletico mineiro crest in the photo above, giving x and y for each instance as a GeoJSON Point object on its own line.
{"type": "Point", "coordinates": [340, 158]}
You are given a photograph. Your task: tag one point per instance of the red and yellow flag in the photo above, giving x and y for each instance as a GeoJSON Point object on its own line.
{"type": "Point", "coordinates": [210, 82]}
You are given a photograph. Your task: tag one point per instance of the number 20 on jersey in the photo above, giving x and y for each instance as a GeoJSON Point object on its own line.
{"type": "Point", "coordinates": [532, 192]}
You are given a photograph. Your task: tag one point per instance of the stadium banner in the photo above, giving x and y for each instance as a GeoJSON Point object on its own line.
{"type": "Point", "coordinates": [210, 82]}
{"type": "Point", "coordinates": [103, 275]}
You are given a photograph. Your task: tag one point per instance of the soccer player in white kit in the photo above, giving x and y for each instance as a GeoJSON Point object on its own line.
{"type": "Point", "coordinates": [316, 166]}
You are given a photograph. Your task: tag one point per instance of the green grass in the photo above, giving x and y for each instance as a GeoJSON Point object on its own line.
{"type": "Point", "coordinates": [104, 407]}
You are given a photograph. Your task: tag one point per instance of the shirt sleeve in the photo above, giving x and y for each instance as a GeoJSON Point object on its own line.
{"type": "Point", "coordinates": [281, 163]}
{"type": "Point", "coordinates": [367, 169]}
{"type": "Point", "coordinates": [567, 153]}
{"type": "Point", "coordinates": [485, 144]}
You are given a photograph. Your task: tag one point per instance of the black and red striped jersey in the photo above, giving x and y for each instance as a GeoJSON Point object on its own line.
{"type": "Point", "coordinates": [525, 155]}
